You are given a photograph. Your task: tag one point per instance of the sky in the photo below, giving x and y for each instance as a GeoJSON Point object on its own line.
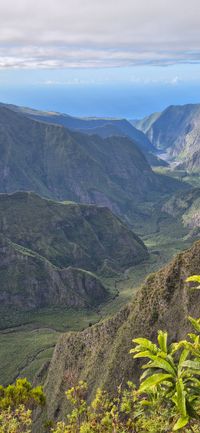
{"type": "Point", "coordinates": [125, 58]}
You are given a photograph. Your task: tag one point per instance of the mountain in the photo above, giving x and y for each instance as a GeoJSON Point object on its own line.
{"type": "Point", "coordinates": [48, 250]}
{"type": "Point", "coordinates": [185, 206]}
{"type": "Point", "coordinates": [30, 281]}
{"type": "Point", "coordinates": [64, 165]}
{"type": "Point", "coordinates": [145, 124]}
{"type": "Point", "coordinates": [176, 132]}
{"type": "Point", "coordinates": [100, 354]}
{"type": "Point", "coordinates": [104, 127]}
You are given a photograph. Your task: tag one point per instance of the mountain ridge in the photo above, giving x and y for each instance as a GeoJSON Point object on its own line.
{"type": "Point", "coordinates": [176, 131]}
{"type": "Point", "coordinates": [164, 302]}
{"type": "Point", "coordinates": [49, 251]}
{"type": "Point", "coordinates": [64, 165]}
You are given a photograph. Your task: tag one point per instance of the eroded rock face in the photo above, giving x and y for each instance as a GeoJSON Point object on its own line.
{"type": "Point", "coordinates": [100, 355]}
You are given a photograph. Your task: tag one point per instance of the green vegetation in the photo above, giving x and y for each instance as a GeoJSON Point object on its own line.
{"type": "Point", "coordinates": [49, 249]}
{"type": "Point", "coordinates": [192, 179]}
{"type": "Point", "coordinates": [16, 404]}
{"type": "Point", "coordinates": [40, 238]}
{"type": "Point", "coordinates": [98, 355]}
{"type": "Point", "coordinates": [166, 400]}
{"type": "Point", "coordinates": [165, 238]}
{"type": "Point", "coordinates": [28, 338]}
{"type": "Point", "coordinates": [68, 234]}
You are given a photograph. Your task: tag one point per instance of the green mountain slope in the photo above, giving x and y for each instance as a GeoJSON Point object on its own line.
{"type": "Point", "coordinates": [27, 280]}
{"type": "Point", "coordinates": [68, 234]}
{"type": "Point", "coordinates": [100, 355]}
{"type": "Point", "coordinates": [55, 162]}
{"type": "Point", "coordinates": [104, 127]}
{"type": "Point", "coordinates": [185, 206]}
{"type": "Point", "coordinates": [44, 242]}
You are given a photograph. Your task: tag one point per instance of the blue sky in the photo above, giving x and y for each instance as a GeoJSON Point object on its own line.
{"type": "Point", "coordinates": [109, 57]}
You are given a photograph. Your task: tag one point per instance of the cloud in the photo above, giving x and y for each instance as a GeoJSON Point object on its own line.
{"type": "Point", "coordinates": [51, 34]}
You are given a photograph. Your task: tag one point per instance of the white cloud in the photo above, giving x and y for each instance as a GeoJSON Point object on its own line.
{"type": "Point", "coordinates": [98, 33]}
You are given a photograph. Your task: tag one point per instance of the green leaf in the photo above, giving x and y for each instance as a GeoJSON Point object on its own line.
{"type": "Point", "coordinates": [146, 344]}
{"type": "Point", "coordinates": [162, 364]}
{"type": "Point", "coordinates": [162, 340]}
{"type": "Point", "coordinates": [195, 323]}
{"type": "Point", "coordinates": [153, 380]}
{"type": "Point", "coordinates": [146, 373]}
{"type": "Point", "coordinates": [194, 365]}
{"type": "Point", "coordinates": [195, 278]}
{"type": "Point", "coordinates": [181, 402]}
{"type": "Point", "coordinates": [181, 423]}
{"type": "Point", "coordinates": [145, 354]}
{"type": "Point", "coordinates": [182, 359]}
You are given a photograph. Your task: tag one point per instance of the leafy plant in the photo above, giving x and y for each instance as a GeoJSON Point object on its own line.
{"type": "Point", "coordinates": [16, 403]}
{"type": "Point", "coordinates": [172, 371]}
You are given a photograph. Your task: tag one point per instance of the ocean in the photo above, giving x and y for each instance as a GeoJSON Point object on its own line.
{"type": "Point", "coordinates": [114, 100]}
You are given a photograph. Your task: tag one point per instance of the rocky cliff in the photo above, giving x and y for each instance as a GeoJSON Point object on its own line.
{"type": "Point", "coordinates": [100, 354]}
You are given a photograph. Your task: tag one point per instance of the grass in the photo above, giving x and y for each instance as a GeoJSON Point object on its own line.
{"type": "Point", "coordinates": [19, 349]}
{"type": "Point", "coordinates": [28, 339]}
{"type": "Point", "coordinates": [58, 319]}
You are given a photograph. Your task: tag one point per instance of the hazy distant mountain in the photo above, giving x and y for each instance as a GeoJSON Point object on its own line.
{"type": "Point", "coordinates": [123, 129]}
{"type": "Point", "coordinates": [47, 249]}
{"type": "Point", "coordinates": [105, 127]}
{"type": "Point", "coordinates": [58, 163]}
{"type": "Point", "coordinates": [145, 123]}
{"type": "Point", "coordinates": [176, 131]}
{"type": "Point", "coordinates": [186, 206]}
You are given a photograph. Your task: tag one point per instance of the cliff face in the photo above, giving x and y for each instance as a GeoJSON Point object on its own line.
{"type": "Point", "coordinates": [100, 354]}
{"type": "Point", "coordinates": [176, 131]}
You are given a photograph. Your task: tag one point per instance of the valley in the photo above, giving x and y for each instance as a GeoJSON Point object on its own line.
{"type": "Point", "coordinates": [94, 216]}
{"type": "Point", "coordinates": [99, 216]}
{"type": "Point", "coordinates": [28, 336]}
